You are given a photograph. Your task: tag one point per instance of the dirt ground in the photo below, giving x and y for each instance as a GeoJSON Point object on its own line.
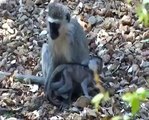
{"type": "Point", "coordinates": [113, 32]}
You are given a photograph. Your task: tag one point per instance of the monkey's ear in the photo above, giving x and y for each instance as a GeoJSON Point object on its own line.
{"type": "Point", "coordinates": [68, 17]}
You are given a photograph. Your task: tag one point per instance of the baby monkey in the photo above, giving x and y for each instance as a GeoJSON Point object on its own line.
{"type": "Point", "coordinates": [71, 78]}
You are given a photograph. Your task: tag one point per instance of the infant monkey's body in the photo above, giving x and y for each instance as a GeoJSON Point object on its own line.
{"type": "Point", "coordinates": [72, 78]}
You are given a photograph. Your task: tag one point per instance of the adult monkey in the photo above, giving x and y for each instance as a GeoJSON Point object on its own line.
{"type": "Point", "coordinates": [67, 41]}
{"type": "Point", "coordinates": [66, 44]}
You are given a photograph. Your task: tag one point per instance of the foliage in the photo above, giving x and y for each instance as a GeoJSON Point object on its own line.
{"type": "Point", "coordinates": [134, 99]}
{"type": "Point", "coordinates": [143, 14]}
{"type": "Point", "coordinates": [97, 99]}
{"type": "Point", "coordinates": [142, 11]}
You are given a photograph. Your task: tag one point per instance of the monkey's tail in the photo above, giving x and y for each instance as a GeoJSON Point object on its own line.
{"type": "Point", "coordinates": [57, 70]}
{"type": "Point", "coordinates": [20, 77]}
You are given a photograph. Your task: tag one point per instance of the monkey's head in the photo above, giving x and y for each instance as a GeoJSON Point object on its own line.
{"type": "Point", "coordinates": [58, 18]}
{"type": "Point", "coordinates": [95, 64]}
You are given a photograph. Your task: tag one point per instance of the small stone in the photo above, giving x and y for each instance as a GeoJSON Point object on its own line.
{"type": "Point", "coordinates": [23, 18]}
{"type": "Point", "coordinates": [144, 64]}
{"type": "Point", "coordinates": [133, 68]}
{"type": "Point", "coordinates": [12, 118]}
{"type": "Point", "coordinates": [106, 58]}
{"type": "Point", "coordinates": [44, 32]}
{"type": "Point", "coordinates": [72, 116]}
{"type": "Point", "coordinates": [126, 20]}
{"type": "Point", "coordinates": [6, 14]}
{"type": "Point", "coordinates": [90, 112]}
{"type": "Point", "coordinates": [10, 23]}
{"type": "Point", "coordinates": [74, 109]}
{"type": "Point", "coordinates": [130, 58]}
{"type": "Point", "coordinates": [139, 45]}
{"type": "Point", "coordinates": [92, 20]}
{"type": "Point", "coordinates": [124, 82]}
{"type": "Point", "coordinates": [146, 35]}
{"type": "Point", "coordinates": [38, 2]}
{"type": "Point", "coordinates": [82, 102]}
{"type": "Point", "coordinates": [13, 61]}
{"type": "Point", "coordinates": [11, 31]}
{"type": "Point", "coordinates": [99, 19]}
{"type": "Point", "coordinates": [107, 24]}
{"type": "Point", "coordinates": [5, 26]}
{"type": "Point", "coordinates": [56, 118]}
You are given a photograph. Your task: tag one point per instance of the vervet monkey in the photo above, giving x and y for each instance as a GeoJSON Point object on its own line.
{"type": "Point", "coordinates": [67, 40]}
{"type": "Point", "coordinates": [67, 43]}
{"type": "Point", "coordinates": [69, 78]}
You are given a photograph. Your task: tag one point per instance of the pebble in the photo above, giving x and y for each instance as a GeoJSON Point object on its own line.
{"type": "Point", "coordinates": [99, 19]}
{"type": "Point", "coordinates": [92, 20]}
{"type": "Point", "coordinates": [126, 20]}
{"type": "Point", "coordinates": [82, 102]}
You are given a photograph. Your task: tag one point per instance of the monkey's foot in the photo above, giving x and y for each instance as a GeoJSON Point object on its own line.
{"type": "Point", "coordinates": [64, 106]}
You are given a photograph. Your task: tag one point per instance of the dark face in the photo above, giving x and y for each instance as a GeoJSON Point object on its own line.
{"type": "Point", "coordinates": [54, 30]}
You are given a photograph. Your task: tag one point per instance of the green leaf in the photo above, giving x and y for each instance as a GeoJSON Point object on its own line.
{"type": "Point", "coordinates": [127, 97]}
{"type": "Point", "coordinates": [135, 106]}
{"type": "Point", "coordinates": [142, 93]}
{"type": "Point", "coordinates": [97, 98]}
{"type": "Point", "coordinates": [117, 118]}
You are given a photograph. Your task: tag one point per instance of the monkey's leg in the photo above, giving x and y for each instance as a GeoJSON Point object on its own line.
{"type": "Point", "coordinates": [56, 85]}
{"type": "Point", "coordinates": [84, 86]}
{"type": "Point", "coordinates": [68, 83]}
{"type": "Point", "coordinates": [45, 57]}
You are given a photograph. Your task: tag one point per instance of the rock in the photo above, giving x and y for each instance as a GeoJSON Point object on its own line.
{"type": "Point", "coordinates": [6, 14]}
{"type": "Point", "coordinates": [130, 58]}
{"type": "Point", "coordinates": [44, 32]}
{"type": "Point", "coordinates": [10, 23]}
{"type": "Point", "coordinates": [90, 112]}
{"type": "Point", "coordinates": [11, 31]}
{"type": "Point", "coordinates": [23, 18]}
{"type": "Point", "coordinates": [3, 62]}
{"type": "Point", "coordinates": [133, 68]}
{"type": "Point", "coordinates": [92, 20]}
{"type": "Point", "coordinates": [74, 109]}
{"type": "Point", "coordinates": [73, 116]}
{"type": "Point", "coordinates": [5, 26]}
{"type": "Point", "coordinates": [106, 58]}
{"type": "Point", "coordinates": [126, 20]}
{"type": "Point", "coordinates": [139, 45]}
{"type": "Point", "coordinates": [82, 102]}
{"type": "Point", "coordinates": [11, 118]}
{"type": "Point", "coordinates": [79, 8]}
{"type": "Point", "coordinates": [124, 83]}
{"type": "Point", "coordinates": [144, 64]}
{"type": "Point", "coordinates": [13, 61]}
{"type": "Point", "coordinates": [38, 2]}
{"type": "Point", "coordinates": [146, 35]}
{"type": "Point", "coordinates": [99, 19]}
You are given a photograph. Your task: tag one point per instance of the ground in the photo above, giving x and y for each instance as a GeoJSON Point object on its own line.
{"type": "Point", "coordinates": [113, 32]}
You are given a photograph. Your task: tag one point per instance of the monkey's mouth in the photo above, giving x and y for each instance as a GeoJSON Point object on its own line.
{"type": "Point", "coordinates": [54, 27]}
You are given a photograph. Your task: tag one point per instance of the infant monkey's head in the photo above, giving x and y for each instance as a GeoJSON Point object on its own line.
{"type": "Point", "coordinates": [95, 64]}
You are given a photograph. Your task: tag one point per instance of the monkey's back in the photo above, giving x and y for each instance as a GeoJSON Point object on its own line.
{"type": "Point", "coordinates": [78, 72]}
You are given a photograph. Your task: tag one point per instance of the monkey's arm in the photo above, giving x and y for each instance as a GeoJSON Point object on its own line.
{"type": "Point", "coordinates": [34, 79]}
{"type": "Point", "coordinates": [78, 42]}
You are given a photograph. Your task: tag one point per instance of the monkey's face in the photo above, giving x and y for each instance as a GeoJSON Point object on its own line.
{"type": "Point", "coordinates": [54, 30]}
{"type": "Point", "coordinates": [58, 17]}
{"type": "Point", "coordinates": [57, 27]}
